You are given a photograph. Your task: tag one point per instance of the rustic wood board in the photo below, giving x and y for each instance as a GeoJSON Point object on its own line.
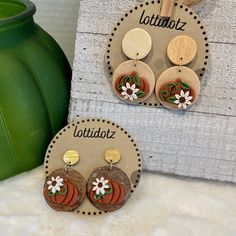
{"type": "Point", "coordinates": [198, 143]}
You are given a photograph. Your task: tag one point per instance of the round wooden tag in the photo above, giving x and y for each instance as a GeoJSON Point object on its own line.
{"type": "Point", "coordinates": [133, 81]}
{"type": "Point", "coordinates": [174, 80]}
{"type": "Point", "coordinates": [72, 192]}
{"type": "Point", "coordinates": [136, 44]}
{"type": "Point", "coordinates": [161, 30]}
{"type": "Point", "coordinates": [181, 50]}
{"type": "Point", "coordinates": [91, 138]}
{"type": "Point", "coordinates": [118, 189]}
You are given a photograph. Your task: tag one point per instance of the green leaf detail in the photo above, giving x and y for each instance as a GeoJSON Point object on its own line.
{"type": "Point", "coordinates": [119, 86]}
{"type": "Point", "coordinates": [140, 93]}
{"type": "Point", "coordinates": [137, 80]}
{"type": "Point", "coordinates": [174, 88]}
{"type": "Point", "coordinates": [164, 94]}
{"type": "Point", "coordinates": [110, 190]}
{"type": "Point", "coordinates": [125, 80]}
{"type": "Point", "coordinates": [99, 196]}
{"type": "Point", "coordinates": [171, 99]}
{"type": "Point", "coordinates": [63, 193]}
{"type": "Point", "coordinates": [185, 86]}
{"type": "Point", "coordinates": [51, 194]}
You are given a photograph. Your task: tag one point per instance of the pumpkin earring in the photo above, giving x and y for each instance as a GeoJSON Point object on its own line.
{"type": "Point", "coordinates": [178, 87]}
{"type": "Point", "coordinates": [108, 187]}
{"type": "Point", "coordinates": [65, 188]}
{"type": "Point", "coordinates": [134, 81]}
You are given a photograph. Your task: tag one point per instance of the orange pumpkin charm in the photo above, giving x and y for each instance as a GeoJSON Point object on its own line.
{"type": "Point", "coordinates": [114, 194]}
{"type": "Point", "coordinates": [108, 188]}
{"type": "Point", "coordinates": [66, 195]}
{"type": "Point", "coordinates": [64, 191]}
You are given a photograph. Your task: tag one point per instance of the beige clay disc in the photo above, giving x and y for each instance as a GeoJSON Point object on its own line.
{"type": "Point", "coordinates": [177, 75]}
{"type": "Point", "coordinates": [131, 68]}
{"type": "Point", "coordinates": [182, 50]}
{"type": "Point", "coordinates": [136, 44]}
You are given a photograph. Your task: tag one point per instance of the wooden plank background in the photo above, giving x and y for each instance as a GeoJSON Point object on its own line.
{"type": "Point", "coordinates": [200, 142]}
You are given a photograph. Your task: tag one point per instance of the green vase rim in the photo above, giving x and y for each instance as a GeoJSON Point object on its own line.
{"type": "Point", "coordinates": [28, 12]}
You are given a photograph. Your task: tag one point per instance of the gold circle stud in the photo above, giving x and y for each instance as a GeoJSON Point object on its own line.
{"type": "Point", "coordinates": [112, 156]}
{"type": "Point", "coordinates": [71, 157]}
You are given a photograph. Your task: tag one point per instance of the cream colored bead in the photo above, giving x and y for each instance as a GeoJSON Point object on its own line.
{"type": "Point", "coordinates": [136, 44]}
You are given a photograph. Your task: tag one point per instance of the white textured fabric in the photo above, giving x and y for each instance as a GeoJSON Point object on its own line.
{"type": "Point", "coordinates": [161, 206]}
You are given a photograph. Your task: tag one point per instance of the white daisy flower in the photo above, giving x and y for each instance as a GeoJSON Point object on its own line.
{"type": "Point", "coordinates": [129, 91]}
{"type": "Point", "coordinates": [100, 185]}
{"type": "Point", "coordinates": [55, 184]}
{"type": "Point", "coordinates": [183, 99]}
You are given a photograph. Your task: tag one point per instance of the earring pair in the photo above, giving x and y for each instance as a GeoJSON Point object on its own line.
{"type": "Point", "coordinates": [134, 81]}
{"type": "Point", "coordinates": [179, 86]}
{"type": "Point", "coordinates": [108, 188]}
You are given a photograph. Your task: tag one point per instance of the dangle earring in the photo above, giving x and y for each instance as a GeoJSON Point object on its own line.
{"type": "Point", "coordinates": [134, 81]}
{"type": "Point", "coordinates": [178, 87]}
{"type": "Point", "coordinates": [65, 188]}
{"type": "Point", "coordinates": [108, 187]}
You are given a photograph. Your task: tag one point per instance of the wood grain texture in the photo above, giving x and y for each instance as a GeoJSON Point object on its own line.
{"type": "Point", "coordinates": [166, 8]}
{"type": "Point", "coordinates": [218, 85]}
{"type": "Point", "coordinates": [188, 143]}
{"type": "Point", "coordinates": [118, 177]}
{"type": "Point", "coordinates": [74, 191]}
{"type": "Point", "coordinates": [182, 50]}
{"type": "Point", "coordinates": [190, 2]}
{"type": "Point", "coordinates": [198, 143]}
{"type": "Point", "coordinates": [218, 16]}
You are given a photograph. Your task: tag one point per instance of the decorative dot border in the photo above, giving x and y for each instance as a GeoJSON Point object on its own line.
{"type": "Point", "coordinates": [181, 6]}
{"type": "Point", "coordinates": [69, 126]}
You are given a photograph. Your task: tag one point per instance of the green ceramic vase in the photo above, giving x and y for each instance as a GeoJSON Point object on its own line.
{"type": "Point", "coordinates": [34, 88]}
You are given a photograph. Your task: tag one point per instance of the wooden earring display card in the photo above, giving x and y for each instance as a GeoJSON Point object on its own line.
{"type": "Point", "coordinates": [200, 142]}
{"type": "Point", "coordinates": [162, 30]}
{"type": "Point", "coordinates": [90, 138]}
